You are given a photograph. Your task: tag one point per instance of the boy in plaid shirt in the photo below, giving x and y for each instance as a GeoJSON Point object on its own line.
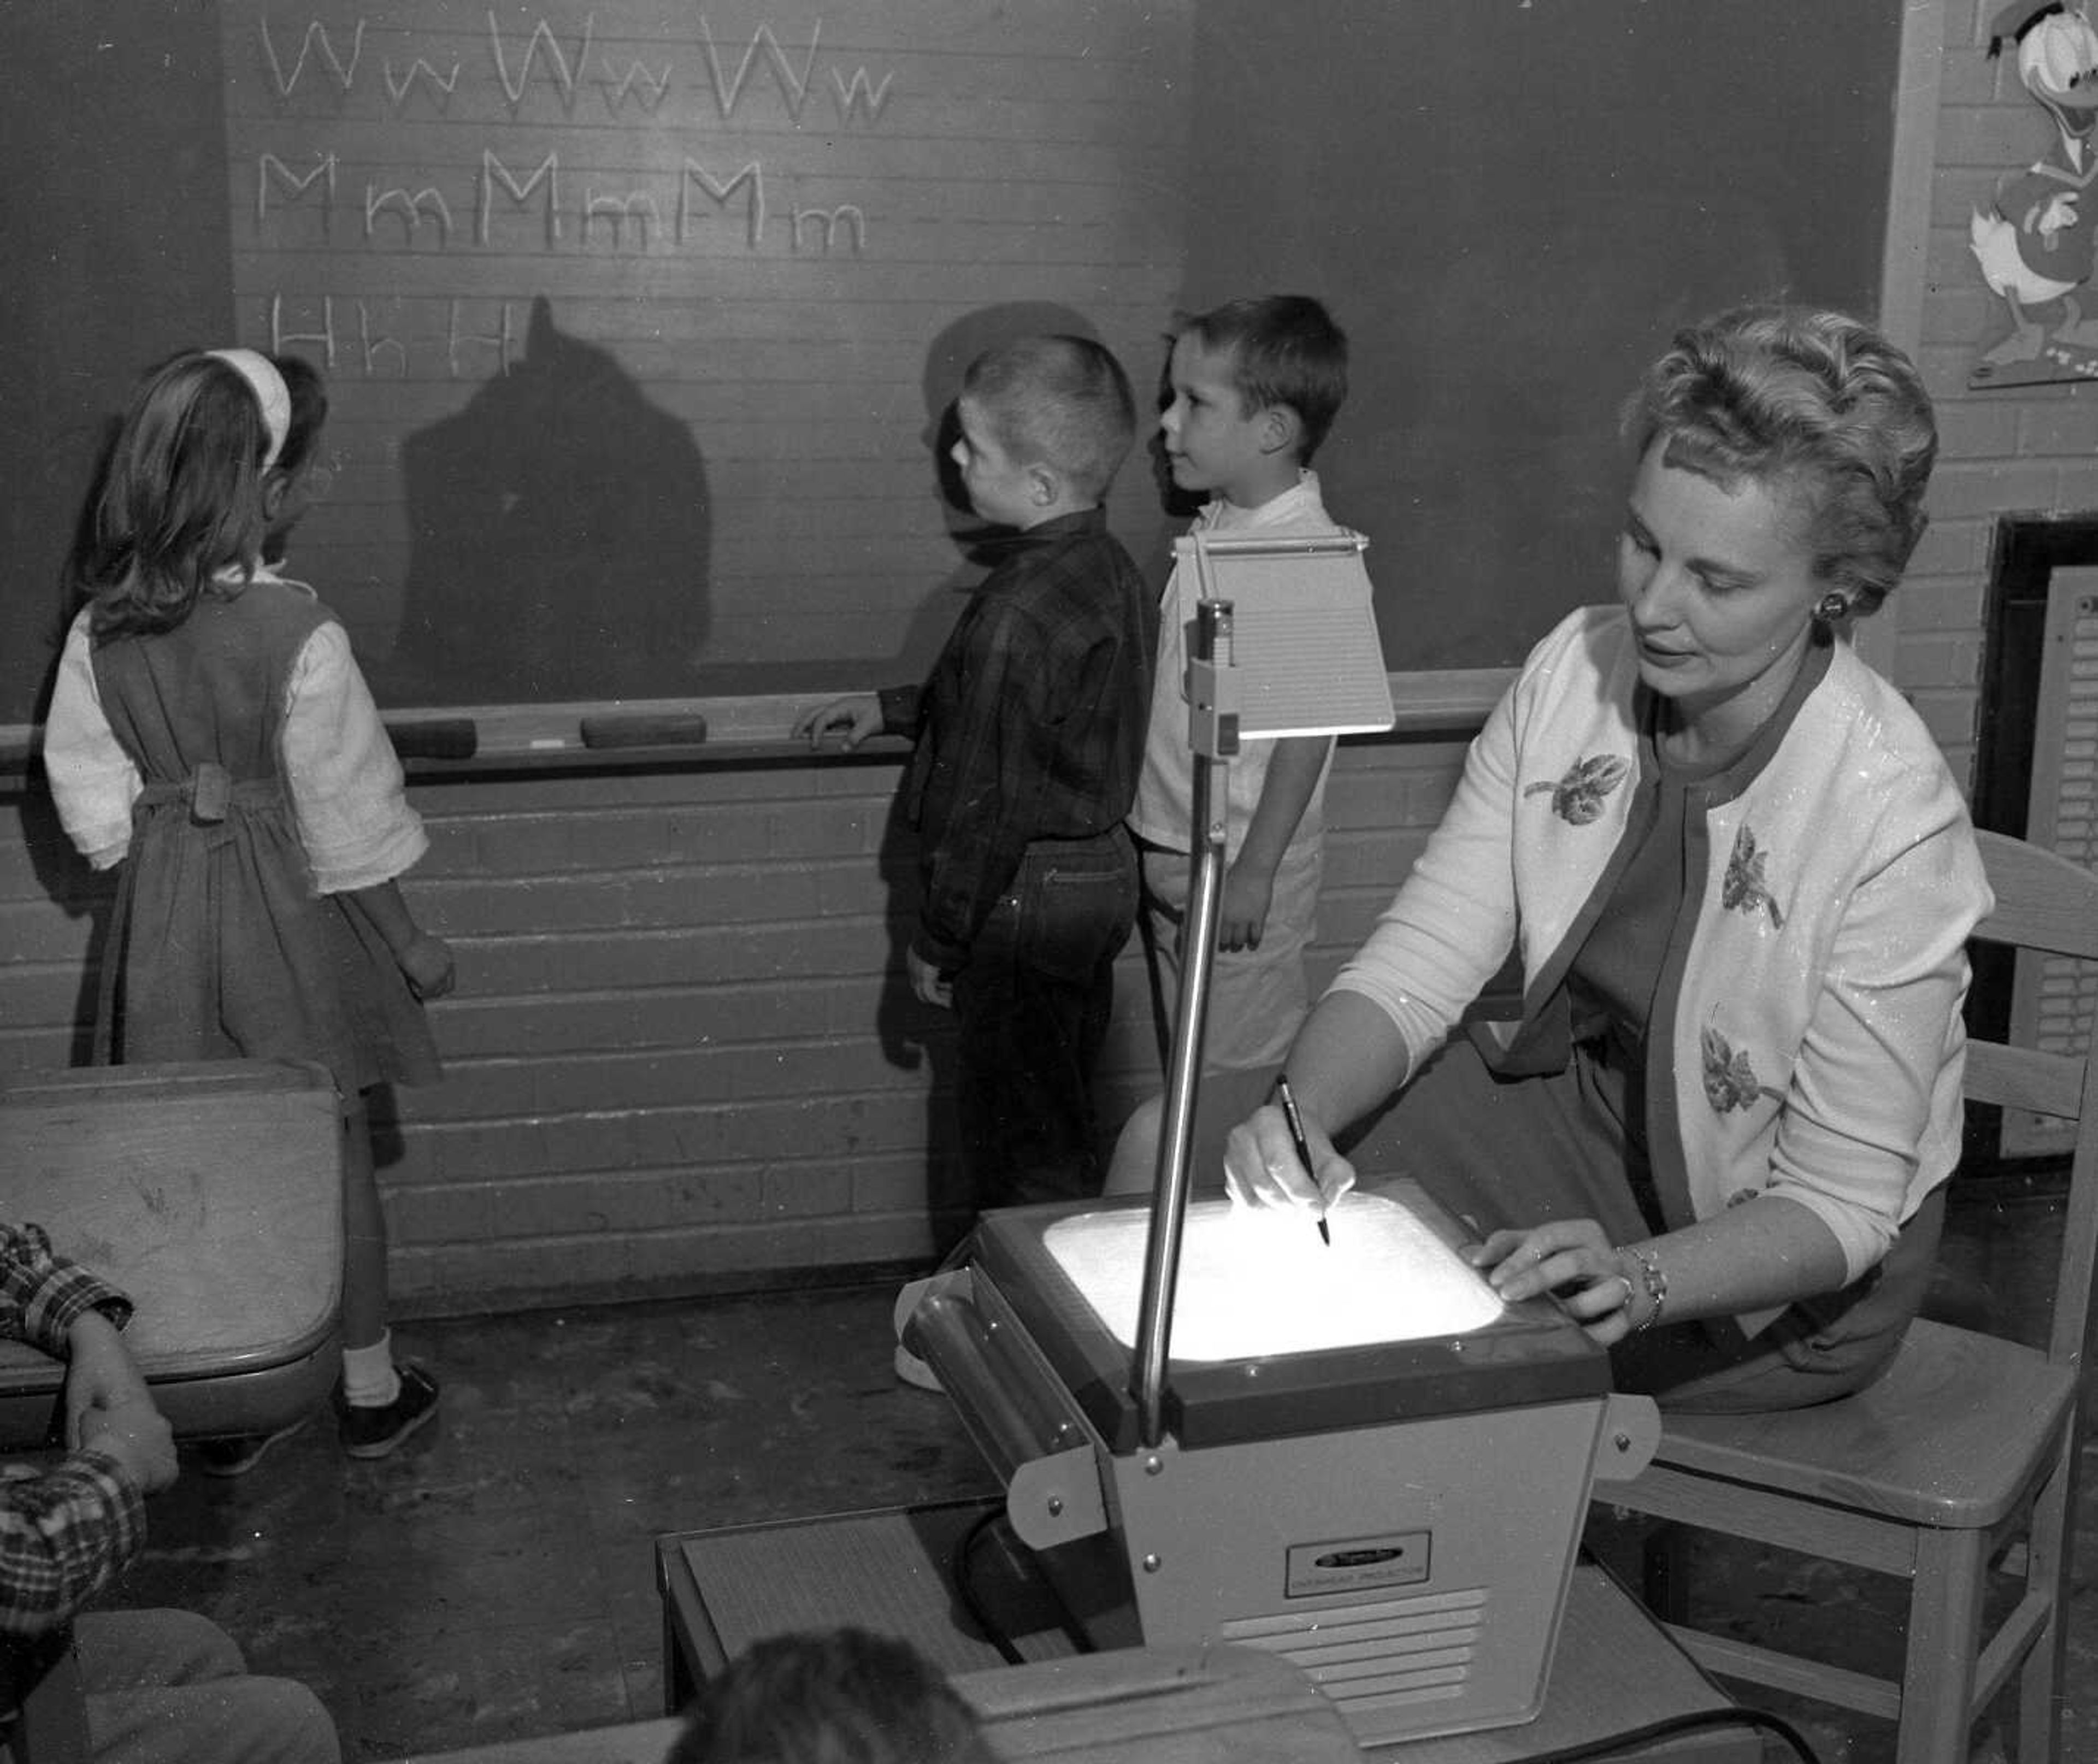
{"type": "Point", "coordinates": [1030, 732]}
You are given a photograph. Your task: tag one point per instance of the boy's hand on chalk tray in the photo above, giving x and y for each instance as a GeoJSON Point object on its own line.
{"type": "Point", "coordinates": [856, 716]}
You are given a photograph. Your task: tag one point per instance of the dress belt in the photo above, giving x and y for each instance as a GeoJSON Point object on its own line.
{"type": "Point", "coordinates": [210, 791]}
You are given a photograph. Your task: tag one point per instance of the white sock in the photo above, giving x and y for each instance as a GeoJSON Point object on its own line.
{"type": "Point", "coordinates": [369, 1380]}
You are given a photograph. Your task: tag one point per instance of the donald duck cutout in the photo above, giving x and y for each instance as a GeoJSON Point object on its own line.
{"type": "Point", "coordinates": [2035, 245]}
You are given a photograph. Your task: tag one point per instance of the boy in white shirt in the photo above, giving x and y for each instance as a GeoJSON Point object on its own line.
{"type": "Point", "coordinates": [1255, 384]}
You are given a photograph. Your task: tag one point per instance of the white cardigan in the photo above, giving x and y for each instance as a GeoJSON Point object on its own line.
{"type": "Point", "coordinates": [1811, 1043]}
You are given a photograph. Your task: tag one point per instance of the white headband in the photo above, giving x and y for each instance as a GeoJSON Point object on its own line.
{"type": "Point", "coordinates": [270, 393]}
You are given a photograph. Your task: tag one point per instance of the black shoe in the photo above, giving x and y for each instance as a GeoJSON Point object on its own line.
{"type": "Point", "coordinates": [237, 1457]}
{"type": "Point", "coordinates": [374, 1433]}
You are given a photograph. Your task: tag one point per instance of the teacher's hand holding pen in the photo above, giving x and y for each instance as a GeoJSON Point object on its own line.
{"type": "Point", "coordinates": [1263, 1169]}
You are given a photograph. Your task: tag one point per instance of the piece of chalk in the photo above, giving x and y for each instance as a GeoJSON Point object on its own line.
{"type": "Point", "coordinates": [439, 737]}
{"type": "Point", "coordinates": [549, 741]}
{"type": "Point", "coordinates": [670, 732]}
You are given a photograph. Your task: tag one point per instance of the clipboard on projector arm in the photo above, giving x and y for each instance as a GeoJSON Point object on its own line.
{"type": "Point", "coordinates": [1303, 629]}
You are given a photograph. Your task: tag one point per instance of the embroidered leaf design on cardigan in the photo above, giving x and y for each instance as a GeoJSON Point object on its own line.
{"type": "Point", "coordinates": [1730, 1079]}
{"type": "Point", "coordinates": [1745, 888]}
{"type": "Point", "coordinates": [1577, 799]}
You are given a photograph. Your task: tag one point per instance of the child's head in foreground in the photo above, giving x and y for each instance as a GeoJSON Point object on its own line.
{"type": "Point", "coordinates": [838, 1697]}
{"type": "Point", "coordinates": [1253, 386]}
{"type": "Point", "coordinates": [1046, 423]}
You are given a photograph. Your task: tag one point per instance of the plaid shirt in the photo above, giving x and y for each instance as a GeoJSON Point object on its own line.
{"type": "Point", "coordinates": [1031, 725]}
{"type": "Point", "coordinates": [64, 1531]}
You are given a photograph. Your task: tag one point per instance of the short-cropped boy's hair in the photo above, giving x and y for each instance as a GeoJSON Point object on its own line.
{"type": "Point", "coordinates": [1284, 349]}
{"type": "Point", "coordinates": [1061, 402]}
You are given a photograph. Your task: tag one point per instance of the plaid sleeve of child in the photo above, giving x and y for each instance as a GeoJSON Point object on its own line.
{"type": "Point", "coordinates": [43, 1296]}
{"type": "Point", "coordinates": [63, 1535]}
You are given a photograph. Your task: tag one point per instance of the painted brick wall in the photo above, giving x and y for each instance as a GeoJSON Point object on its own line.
{"type": "Point", "coordinates": [682, 1055]}
{"type": "Point", "coordinates": [2014, 450]}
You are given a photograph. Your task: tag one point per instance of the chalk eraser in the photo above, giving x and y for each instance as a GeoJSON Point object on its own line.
{"type": "Point", "coordinates": [686, 730]}
{"type": "Point", "coordinates": [436, 738]}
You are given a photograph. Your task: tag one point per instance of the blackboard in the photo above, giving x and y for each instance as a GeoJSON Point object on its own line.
{"type": "Point", "coordinates": [1511, 204]}
{"type": "Point", "coordinates": [640, 315]}
{"type": "Point", "coordinates": [113, 216]}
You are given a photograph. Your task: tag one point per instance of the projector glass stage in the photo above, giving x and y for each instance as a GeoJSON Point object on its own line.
{"type": "Point", "coordinates": [1259, 1281]}
{"type": "Point", "coordinates": [1272, 1331]}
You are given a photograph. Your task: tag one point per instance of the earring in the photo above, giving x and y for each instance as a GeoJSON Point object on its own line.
{"type": "Point", "coordinates": [1832, 608]}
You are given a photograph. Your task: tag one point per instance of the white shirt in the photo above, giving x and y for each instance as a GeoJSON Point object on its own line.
{"type": "Point", "coordinates": [1165, 786]}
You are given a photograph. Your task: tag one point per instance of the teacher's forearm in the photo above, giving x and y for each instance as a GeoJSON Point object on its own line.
{"type": "Point", "coordinates": [1748, 1257]}
{"type": "Point", "coordinates": [1347, 1057]}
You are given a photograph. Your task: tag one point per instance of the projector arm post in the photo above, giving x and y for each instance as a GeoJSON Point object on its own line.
{"type": "Point", "coordinates": [1213, 722]}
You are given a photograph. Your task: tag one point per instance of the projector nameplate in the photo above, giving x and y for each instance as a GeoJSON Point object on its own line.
{"type": "Point", "coordinates": [1357, 1565]}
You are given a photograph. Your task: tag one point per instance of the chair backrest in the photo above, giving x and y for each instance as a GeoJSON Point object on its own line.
{"type": "Point", "coordinates": [2045, 903]}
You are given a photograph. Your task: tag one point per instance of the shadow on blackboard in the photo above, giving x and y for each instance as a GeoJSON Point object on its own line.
{"type": "Point", "coordinates": [559, 529]}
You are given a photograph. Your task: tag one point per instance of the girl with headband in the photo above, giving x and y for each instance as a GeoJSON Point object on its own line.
{"type": "Point", "coordinates": [211, 738]}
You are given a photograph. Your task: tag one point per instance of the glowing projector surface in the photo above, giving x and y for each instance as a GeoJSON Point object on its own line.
{"type": "Point", "coordinates": [1256, 1282]}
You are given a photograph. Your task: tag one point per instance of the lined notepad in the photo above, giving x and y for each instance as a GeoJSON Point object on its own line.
{"type": "Point", "coordinates": [1304, 630]}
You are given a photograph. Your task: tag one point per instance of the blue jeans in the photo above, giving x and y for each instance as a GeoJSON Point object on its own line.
{"type": "Point", "coordinates": [1032, 1005]}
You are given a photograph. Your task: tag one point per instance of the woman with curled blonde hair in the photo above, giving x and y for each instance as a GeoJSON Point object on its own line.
{"type": "Point", "coordinates": [1741, 881]}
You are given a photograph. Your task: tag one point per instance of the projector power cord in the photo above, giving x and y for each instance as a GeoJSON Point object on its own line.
{"type": "Point", "coordinates": [1755, 1720]}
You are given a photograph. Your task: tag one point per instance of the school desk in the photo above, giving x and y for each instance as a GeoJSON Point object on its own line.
{"type": "Point", "coordinates": [902, 1571]}
{"type": "Point", "coordinates": [211, 1195]}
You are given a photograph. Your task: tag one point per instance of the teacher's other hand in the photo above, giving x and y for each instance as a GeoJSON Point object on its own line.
{"type": "Point", "coordinates": [1573, 1261]}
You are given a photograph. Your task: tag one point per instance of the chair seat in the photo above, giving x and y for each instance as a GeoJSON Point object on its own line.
{"type": "Point", "coordinates": [1950, 1437]}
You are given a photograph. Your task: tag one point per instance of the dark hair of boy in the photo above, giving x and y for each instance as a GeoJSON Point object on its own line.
{"type": "Point", "coordinates": [1060, 401]}
{"type": "Point", "coordinates": [837, 1696]}
{"type": "Point", "coordinates": [1285, 350]}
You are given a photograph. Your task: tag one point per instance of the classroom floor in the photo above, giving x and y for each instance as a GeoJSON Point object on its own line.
{"type": "Point", "coordinates": [495, 1579]}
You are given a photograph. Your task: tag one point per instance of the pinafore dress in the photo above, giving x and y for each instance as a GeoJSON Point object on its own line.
{"type": "Point", "coordinates": [218, 947]}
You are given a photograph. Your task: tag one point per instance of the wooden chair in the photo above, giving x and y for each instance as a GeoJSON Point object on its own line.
{"type": "Point", "coordinates": [1968, 1443]}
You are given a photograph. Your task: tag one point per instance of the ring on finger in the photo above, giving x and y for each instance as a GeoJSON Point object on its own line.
{"type": "Point", "coordinates": [1625, 1302]}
